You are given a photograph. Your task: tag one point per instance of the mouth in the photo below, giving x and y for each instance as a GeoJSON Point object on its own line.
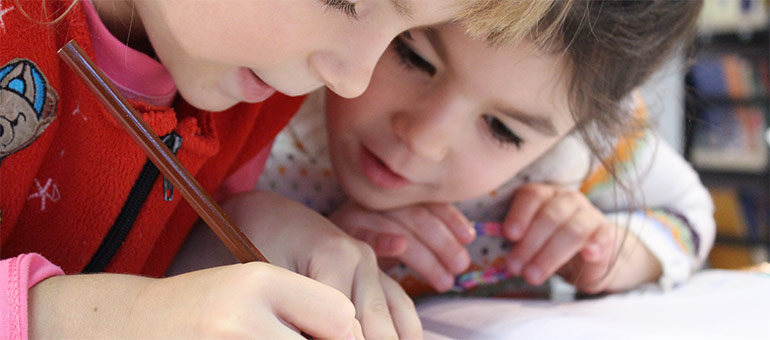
{"type": "Point", "coordinates": [253, 88]}
{"type": "Point", "coordinates": [379, 173]}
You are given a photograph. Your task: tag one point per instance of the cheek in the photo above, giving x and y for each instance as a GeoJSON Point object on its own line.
{"type": "Point", "coordinates": [476, 178]}
{"type": "Point", "coordinates": [255, 32]}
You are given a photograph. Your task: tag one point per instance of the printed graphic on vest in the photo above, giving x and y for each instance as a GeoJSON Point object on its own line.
{"type": "Point", "coordinates": [27, 105]}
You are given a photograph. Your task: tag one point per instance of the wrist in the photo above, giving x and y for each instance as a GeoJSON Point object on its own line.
{"type": "Point", "coordinates": [635, 264]}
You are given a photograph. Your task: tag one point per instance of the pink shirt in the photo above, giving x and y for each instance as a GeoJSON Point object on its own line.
{"type": "Point", "coordinates": [148, 80]}
{"type": "Point", "coordinates": [17, 275]}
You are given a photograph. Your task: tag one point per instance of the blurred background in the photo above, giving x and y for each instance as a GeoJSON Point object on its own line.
{"type": "Point", "coordinates": [722, 128]}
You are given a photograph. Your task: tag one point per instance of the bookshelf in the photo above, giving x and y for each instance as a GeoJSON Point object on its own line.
{"type": "Point", "coordinates": [726, 130]}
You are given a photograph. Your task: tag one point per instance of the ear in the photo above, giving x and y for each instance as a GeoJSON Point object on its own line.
{"type": "Point", "coordinates": [48, 112]}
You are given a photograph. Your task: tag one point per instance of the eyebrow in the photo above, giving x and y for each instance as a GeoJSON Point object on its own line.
{"type": "Point", "coordinates": [403, 8]}
{"type": "Point", "coordinates": [542, 124]}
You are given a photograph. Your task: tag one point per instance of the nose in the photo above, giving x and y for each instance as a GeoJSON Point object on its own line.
{"type": "Point", "coordinates": [347, 70]}
{"type": "Point", "coordinates": [427, 133]}
{"type": "Point", "coordinates": [343, 75]}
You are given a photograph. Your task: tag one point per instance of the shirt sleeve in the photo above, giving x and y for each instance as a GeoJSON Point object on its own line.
{"type": "Point", "coordinates": [19, 274]}
{"type": "Point", "coordinates": [659, 197]}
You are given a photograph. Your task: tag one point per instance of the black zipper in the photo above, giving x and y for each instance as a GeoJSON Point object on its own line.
{"type": "Point", "coordinates": [133, 204]}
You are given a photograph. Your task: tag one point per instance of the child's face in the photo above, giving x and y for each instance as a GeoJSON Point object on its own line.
{"type": "Point", "coordinates": [221, 52]}
{"type": "Point", "coordinates": [446, 118]}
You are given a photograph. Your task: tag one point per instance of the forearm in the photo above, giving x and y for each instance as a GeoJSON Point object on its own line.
{"type": "Point", "coordinates": [669, 209]}
{"type": "Point", "coordinates": [86, 306]}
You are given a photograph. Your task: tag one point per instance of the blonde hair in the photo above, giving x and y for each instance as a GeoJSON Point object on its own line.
{"type": "Point", "coordinates": [507, 22]}
{"type": "Point", "coordinates": [45, 17]}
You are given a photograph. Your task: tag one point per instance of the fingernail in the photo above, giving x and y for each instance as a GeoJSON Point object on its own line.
{"type": "Point", "coordinates": [460, 262]}
{"type": "Point", "coordinates": [593, 249]}
{"type": "Point", "coordinates": [470, 232]}
{"type": "Point", "coordinates": [515, 231]}
{"type": "Point", "coordinates": [534, 274]}
{"type": "Point", "coordinates": [393, 242]}
{"type": "Point", "coordinates": [514, 265]}
{"type": "Point", "coordinates": [445, 283]}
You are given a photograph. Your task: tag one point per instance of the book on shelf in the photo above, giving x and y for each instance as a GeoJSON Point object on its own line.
{"type": "Point", "coordinates": [731, 16]}
{"type": "Point", "coordinates": [738, 215]}
{"type": "Point", "coordinates": [730, 138]}
{"type": "Point", "coordinates": [730, 131]}
{"type": "Point", "coordinates": [731, 76]}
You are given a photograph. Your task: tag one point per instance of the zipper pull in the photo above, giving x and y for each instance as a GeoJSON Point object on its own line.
{"type": "Point", "coordinates": [173, 141]}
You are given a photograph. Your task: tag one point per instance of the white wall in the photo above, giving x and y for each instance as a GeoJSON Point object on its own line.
{"type": "Point", "coordinates": [664, 96]}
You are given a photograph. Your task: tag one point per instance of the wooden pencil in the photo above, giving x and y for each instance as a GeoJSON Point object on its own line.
{"type": "Point", "coordinates": [159, 154]}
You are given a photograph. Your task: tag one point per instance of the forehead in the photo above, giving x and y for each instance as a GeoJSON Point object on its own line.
{"type": "Point", "coordinates": [427, 12]}
{"type": "Point", "coordinates": [517, 76]}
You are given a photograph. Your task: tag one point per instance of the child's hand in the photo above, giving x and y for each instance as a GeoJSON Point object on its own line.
{"type": "Point", "coordinates": [253, 300]}
{"type": "Point", "coordinates": [299, 239]}
{"type": "Point", "coordinates": [428, 238]}
{"type": "Point", "coordinates": [553, 228]}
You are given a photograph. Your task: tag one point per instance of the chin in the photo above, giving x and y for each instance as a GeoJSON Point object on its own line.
{"type": "Point", "coordinates": [210, 102]}
{"type": "Point", "coordinates": [376, 202]}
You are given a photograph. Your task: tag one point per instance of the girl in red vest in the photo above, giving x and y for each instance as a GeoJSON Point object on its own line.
{"type": "Point", "coordinates": [78, 196]}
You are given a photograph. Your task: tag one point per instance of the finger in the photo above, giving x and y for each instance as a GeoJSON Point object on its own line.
{"type": "Point", "coordinates": [402, 309]}
{"type": "Point", "coordinates": [389, 245]}
{"type": "Point", "coordinates": [454, 219]}
{"type": "Point", "coordinates": [590, 277]}
{"type": "Point", "coordinates": [385, 239]}
{"type": "Point", "coordinates": [372, 308]}
{"type": "Point", "coordinates": [564, 244]}
{"type": "Point", "coordinates": [527, 201]}
{"type": "Point", "coordinates": [596, 273]}
{"type": "Point", "coordinates": [600, 245]}
{"type": "Point", "coordinates": [356, 334]}
{"type": "Point", "coordinates": [424, 262]}
{"type": "Point", "coordinates": [304, 304]}
{"type": "Point", "coordinates": [431, 232]}
{"type": "Point", "coordinates": [548, 219]}
{"type": "Point", "coordinates": [337, 268]}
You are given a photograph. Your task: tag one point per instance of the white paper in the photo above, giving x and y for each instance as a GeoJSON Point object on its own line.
{"type": "Point", "coordinates": [714, 304]}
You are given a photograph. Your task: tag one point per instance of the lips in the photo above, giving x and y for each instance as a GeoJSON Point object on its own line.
{"type": "Point", "coordinates": [379, 173]}
{"type": "Point", "coordinates": [253, 89]}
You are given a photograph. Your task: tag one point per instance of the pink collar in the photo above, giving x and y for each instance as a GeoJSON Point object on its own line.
{"type": "Point", "coordinates": [137, 75]}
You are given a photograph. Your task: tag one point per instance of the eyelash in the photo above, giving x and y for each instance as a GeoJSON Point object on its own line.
{"type": "Point", "coordinates": [410, 59]}
{"type": "Point", "coordinates": [345, 6]}
{"type": "Point", "coordinates": [502, 133]}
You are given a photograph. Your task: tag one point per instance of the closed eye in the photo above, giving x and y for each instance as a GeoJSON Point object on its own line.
{"type": "Point", "coordinates": [344, 6]}
{"type": "Point", "coordinates": [410, 59]}
{"type": "Point", "coordinates": [501, 133]}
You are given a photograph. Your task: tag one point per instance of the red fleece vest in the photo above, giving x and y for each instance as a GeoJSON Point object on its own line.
{"type": "Point", "coordinates": [66, 166]}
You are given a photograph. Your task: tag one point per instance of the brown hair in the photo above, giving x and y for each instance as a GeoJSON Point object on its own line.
{"type": "Point", "coordinates": [612, 46]}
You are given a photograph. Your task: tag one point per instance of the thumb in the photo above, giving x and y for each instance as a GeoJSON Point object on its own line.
{"type": "Point", "coordinates": [313, 308]}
